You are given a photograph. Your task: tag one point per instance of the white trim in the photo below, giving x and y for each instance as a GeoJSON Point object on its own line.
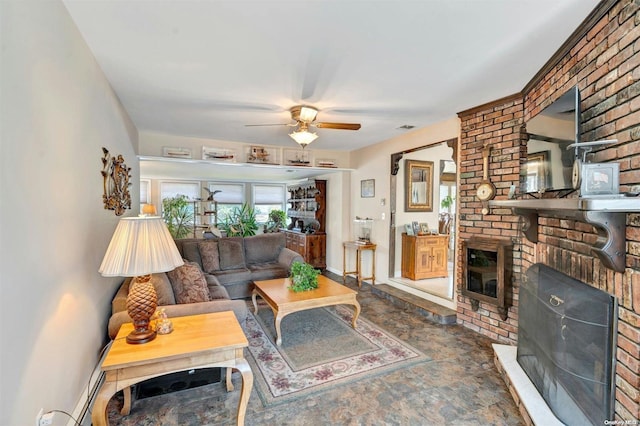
{"type": "Point", "coordinates": [82, 411]}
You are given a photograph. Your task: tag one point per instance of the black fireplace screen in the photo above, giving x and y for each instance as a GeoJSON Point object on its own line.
{"type": "Point", "coordinates": [566, 344]}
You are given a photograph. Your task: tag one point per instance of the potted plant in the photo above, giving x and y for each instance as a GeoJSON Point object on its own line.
{"type": "Point", "coordinates": [277, 220]}
{"type": "Point", "coordinates": [240, 222]}
{"type": "Point", "coordinates": [303, 277]}
{"type": "Point", "coordinates": [178, 215]}
{"type": "Point", "coordinates": [444, 218]}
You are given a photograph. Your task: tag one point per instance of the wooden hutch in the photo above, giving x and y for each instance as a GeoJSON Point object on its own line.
{"type": "Point", "coordinates": [306, 210]}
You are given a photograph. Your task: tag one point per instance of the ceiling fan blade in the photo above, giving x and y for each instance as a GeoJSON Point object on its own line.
{"type": "Point", "coordinates": [263, 125]}
{"type": "Point", "coordinates": [339, 126]}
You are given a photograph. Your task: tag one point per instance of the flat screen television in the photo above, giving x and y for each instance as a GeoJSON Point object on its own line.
{"type": "Point", "coordinates": [549, 162]}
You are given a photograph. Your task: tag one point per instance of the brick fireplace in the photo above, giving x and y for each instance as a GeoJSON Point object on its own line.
{"type": "Point", "coordinates": [602, 59]}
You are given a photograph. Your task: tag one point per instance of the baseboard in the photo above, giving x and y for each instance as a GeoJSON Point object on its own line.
{"type": "Point", "coordinates": [82, 411]}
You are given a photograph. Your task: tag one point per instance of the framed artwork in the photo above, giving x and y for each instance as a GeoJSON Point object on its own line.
{"type": "Point", "coordinates": [424, 228]}
{"type": "Point", "coordinates": [416, 227]}
{"type": "Point", "coordinates": [538, 171]}
{"type": "Point", "coordinates": [367, 188]}
{"type": "Point", "coordinates": [408, 228]}
{"type": "Point", "coordinates": [418, 186]}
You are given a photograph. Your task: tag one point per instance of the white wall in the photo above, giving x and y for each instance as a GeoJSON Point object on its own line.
{"type": "Point", "coordinates": [374, 162]}
{"type": "Point", "coordinates": [57, 112]}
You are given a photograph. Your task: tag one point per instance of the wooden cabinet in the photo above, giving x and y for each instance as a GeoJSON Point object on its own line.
{"type": "Point", "coordinates": [307, 206]}
{"type": "Point", "coordinates": [306, 231]}
{"type": "Point", "coordinates": [312, 247]}
{"type": "Point", "coordinates": [424, 256]}
{"type": "Point", "coordinates": [487, 266]}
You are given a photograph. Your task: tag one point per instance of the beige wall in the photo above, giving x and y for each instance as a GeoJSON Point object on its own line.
{"type": "Point", "coordinates": [58, 111]}
{"type": "Point", "coordinates": [374, 162]}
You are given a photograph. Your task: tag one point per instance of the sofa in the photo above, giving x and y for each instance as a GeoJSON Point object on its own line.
{"type": "Point", "coordinates": [187, 292]}
{"type": "Point", "coordinates": [236, 262]}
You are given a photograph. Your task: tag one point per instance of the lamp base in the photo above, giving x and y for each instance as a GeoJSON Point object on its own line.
{"type": "Point", "coordinates": [138, 337]}
{"type": "Point", "coordinates": [141, 304]}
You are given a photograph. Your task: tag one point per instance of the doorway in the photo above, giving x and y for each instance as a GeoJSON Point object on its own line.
{"type": "Point", "coordinates": [439, 220]}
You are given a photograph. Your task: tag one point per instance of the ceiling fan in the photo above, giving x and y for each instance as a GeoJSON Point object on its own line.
{"type": "Point", "coordinates": [304, 117]}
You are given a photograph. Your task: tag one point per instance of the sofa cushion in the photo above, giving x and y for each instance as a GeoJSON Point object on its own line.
{"type": "Point", "coordinates": [191, 252]}
{"type": "Point", "coordinates": [268, 271]}
{"type": "Point", "coordinates": [231, 253]}
{"type": "Point", "coordinates": [233, 276]}
{"type": "Point", "coordinates": [189, 284]}
{"type": "Point", "coordinates": [209, 255]}
{"type": "Point", "coordinates": [264, 248]}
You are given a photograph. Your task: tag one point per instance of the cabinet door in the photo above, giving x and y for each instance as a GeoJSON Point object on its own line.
{"type": "Point", "coordinates": [439, 258]}
{"type": "Point", "coordinates": [316, 251]}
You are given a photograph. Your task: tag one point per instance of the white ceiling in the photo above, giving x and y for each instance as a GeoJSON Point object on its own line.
{"type": "Point", "coordinates": [207, 68]}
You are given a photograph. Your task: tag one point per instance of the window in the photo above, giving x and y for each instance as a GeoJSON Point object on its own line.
{"type": "Point", "coordinates": [171, 189]}
{"type": "Point", "coordinates": [267, 198]}
{"type": "Point", "coordinates": [145, 191]}
{"type": "Point", "coordinates": [231, 195]}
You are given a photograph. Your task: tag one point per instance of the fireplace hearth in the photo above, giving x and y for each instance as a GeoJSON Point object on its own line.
{"type": "Point", "coordinates": [566, 345]}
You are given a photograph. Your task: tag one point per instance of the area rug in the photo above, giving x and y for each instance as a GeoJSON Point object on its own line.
{"type": "Point", "coordinates": [320, 350]}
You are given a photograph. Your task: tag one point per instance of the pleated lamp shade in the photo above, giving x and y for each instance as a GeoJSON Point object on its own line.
{"type": "Point", "coordinates": [140, 246]}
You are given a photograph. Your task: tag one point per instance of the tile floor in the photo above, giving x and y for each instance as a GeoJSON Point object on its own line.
{"type": "Point", "coordinates": [458, 384]}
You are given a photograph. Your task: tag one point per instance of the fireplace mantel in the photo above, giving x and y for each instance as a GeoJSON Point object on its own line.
{"type": "Point", "coordinates": [606, 214]}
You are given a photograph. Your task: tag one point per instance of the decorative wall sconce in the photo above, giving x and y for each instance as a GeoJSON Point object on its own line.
{"type": "Point", "coordinates": [116, 177]}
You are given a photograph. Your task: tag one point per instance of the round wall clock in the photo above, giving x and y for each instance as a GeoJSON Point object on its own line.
{"type": "Point", "coordinates": [485, 190]}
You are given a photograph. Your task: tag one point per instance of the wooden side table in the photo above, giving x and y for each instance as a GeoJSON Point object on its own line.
{"type": "Point", "coordinates": [197, 341]}
{"type": "Point", "coordinates": [359, 248]}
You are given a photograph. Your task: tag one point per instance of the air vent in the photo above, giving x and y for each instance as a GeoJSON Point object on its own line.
{"type": "Point", "coordinates": [406, 127]}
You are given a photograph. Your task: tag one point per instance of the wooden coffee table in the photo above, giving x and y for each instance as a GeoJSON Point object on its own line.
{"type": "Point", "coordinates": [284, 301]}
{"type": "Point", "coordinates": [197, 341]}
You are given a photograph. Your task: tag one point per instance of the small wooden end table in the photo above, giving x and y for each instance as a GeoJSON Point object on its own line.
{"type": "Point", "coordinates": [284, 301]}
{"type": "Point", "coordinates": [359, 248]}
{"type": "Point", "coordinates": [197, 341]}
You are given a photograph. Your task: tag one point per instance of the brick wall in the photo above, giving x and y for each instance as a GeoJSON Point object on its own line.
{"type": "Point", "coordinates": [605, 65]}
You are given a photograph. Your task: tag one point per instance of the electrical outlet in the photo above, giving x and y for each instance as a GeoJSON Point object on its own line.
{"type": "Point", "coordinates": [45, 419]}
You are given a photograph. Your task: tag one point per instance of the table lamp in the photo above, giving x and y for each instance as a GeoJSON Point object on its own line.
{"type": "Point", "coordinates": [140, 246]}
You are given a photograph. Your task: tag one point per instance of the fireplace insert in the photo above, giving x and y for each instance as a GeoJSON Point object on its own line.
{"type": "Point", "coordinates": [566, 345]}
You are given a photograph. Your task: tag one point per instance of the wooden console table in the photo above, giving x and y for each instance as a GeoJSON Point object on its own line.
{"type": "Point", "coordinates": [197, 341]}
{"type": "Point", "coordinates": [359, 248]}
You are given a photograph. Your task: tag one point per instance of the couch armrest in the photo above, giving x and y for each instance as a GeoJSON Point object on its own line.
{"type": "Point", "coordinates": [239, 308]}
{"type": "Point", "coordinates": [287, 257]}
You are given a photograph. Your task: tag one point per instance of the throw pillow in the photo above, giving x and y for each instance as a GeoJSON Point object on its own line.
{"type": "Point", "coordinates": [231, 253]}
{"type": "Point", "coordinates": [189, 284]}
{"type": "Point", "coordinates": [209, 255]}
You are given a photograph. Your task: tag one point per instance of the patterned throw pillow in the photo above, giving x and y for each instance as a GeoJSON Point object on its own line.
{"type": "Point", "coordinates": [210, 256]}
{"type": "Point", "coordinates": [189, 284]}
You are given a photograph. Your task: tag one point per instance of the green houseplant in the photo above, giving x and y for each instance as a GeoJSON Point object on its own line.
{"type": "Point", "coordinates": [303, 277]}
{"type": "Point", "coordinates": [178, 215]}
{"type": "Point", "coordinates": [277, 220]}
{"type": "Point", "coordinates": [240, 222]}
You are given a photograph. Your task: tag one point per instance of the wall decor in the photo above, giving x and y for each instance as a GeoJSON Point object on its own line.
{"type": "Point", "coordinates": [219, 154]}
{"type": "Point", "coordinates": [368, 188]}
{"type": "Point", "coordinates": [115, 175]}
{"type": "Point", "coordinates": [263, 155]}
{"type": "Point", "coordinates": [326, 162]}
{"type": "Point", "coordinates": [418, 186]}
{"type": "Point", "coordinates": [174, 152]}
{"type": "Point", "coordinates": [297, 157]}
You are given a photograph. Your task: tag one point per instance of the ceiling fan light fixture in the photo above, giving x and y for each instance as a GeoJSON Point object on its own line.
{"type": "Point", "coordinates": [308, 114]}
{"type": "Point", "coordinates": [303, 137]}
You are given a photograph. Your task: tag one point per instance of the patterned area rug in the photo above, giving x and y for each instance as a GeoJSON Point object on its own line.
{"type": "Point", "coordinates": [320, 349]}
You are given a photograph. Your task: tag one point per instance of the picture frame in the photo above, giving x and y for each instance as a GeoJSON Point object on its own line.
{"type": "Point", "coordinates": [416, 227]}
{"type": "Point", "coordinates": [176, 152]}
{"type": "Point", "coordinates": [418, 184]}
{"type": "Point", "coordinates": [298, 158]}
{"type": "Point", "coordinates": [408, 228]}
{"type": "Point", "coordinates": [367, 188]}
{"type": "Point", "coordinates": [424, 228]}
